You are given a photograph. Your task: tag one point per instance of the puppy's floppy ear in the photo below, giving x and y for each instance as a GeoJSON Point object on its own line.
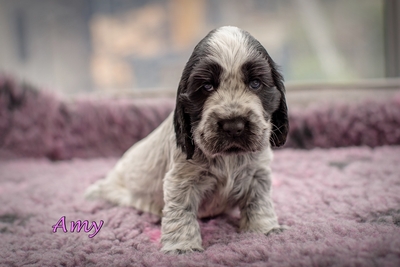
{"type": "Point", "coordinates": [280, 121]}
{"type": "Point", "coordinates": [182, 121]}
{"type": "Point", "coordinates": [182, 125]}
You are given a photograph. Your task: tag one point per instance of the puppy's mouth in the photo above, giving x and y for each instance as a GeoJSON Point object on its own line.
{"type": "Point", "coordinates": [213, 141]}
{"type": "Point", "coordinates": [234, 150]}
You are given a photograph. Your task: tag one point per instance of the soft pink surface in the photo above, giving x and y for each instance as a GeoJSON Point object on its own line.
{"type": "Point", "coordinates": [35, 123]}
{"type": "Point", "coordinates": [342, 206]}
{"type": "Point", "coordinates": [369, 122]}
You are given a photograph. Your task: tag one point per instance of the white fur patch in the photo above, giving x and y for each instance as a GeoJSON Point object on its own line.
{"type": "Point", "coordinates": [229, 48]}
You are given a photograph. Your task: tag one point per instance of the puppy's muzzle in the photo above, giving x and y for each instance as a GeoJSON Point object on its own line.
{"type": "Point", "coordinates": [234, 135]}
{"type": "Point", "coordinates": [233, 127]}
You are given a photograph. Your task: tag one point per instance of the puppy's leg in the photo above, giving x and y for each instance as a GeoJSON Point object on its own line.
{"type": "Point", "coordinates": [256, 207]}
{"type": "Point", "coordinates": [180, 228]}
{"type": "Point", "coordinates": [114, 190]}
{"type": "Point", "coordinates": [109, 189]}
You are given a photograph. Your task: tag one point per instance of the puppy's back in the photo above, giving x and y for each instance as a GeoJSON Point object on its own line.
{"type": "Point", "coordinates": [137, 178]}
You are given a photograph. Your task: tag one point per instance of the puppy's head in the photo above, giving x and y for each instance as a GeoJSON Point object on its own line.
{"type": "Point", "coordinates": [230, 98]}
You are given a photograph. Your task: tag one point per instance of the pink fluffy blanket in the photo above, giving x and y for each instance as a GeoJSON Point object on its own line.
{"type": "Point", "coordinates": [341, 197]}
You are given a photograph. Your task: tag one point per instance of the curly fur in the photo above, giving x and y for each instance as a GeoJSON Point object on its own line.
{"type": "Point", "coordinates": [213, 152]}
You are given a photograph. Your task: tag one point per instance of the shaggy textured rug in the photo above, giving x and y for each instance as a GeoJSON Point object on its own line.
{"type": "Point", "coordinates": [341, 198]}
{"type": "Point", "coordinates": [342, 206]}
{"type": "Point", "coordinates": [38, 124]}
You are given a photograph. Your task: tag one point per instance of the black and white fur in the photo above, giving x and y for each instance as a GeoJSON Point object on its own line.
{"type": "Point", "coordinates": [213, 152]}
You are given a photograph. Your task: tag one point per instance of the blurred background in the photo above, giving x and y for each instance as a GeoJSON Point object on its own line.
{"type": "Point", "coordinates": [121, 47]}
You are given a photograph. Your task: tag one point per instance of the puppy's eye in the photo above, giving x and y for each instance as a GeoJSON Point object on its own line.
{"type": "Point", "coordinates": [208, 87]}
{"type": "Point", "coordinates": [255, 84]}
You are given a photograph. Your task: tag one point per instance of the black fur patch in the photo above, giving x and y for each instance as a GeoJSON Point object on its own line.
{"type": "Point", "coordinates": [199, 71]}
{"type": "Point", "coordinates": [279, 119]}
{"type": "Point", "coordinates": [268, 93]}
{"type": "Point", "coordinates": [182, 119]}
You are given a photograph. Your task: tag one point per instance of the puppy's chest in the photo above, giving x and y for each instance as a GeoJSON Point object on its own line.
{"type": "Point", "coordinates": [228, 181]}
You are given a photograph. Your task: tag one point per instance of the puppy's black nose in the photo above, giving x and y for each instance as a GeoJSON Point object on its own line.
{"type": "Point", "coordinates": [233, 127]}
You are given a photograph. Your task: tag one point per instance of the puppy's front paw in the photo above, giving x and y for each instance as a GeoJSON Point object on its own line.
{"type": "Point", "coordinates": [180, 232]}
{"type": "Point", "coordinates": [181, 248]}
{"type": "Point", "coordinates": [262, 226]}
{"type": "Point", "coordinates": [277, 230]}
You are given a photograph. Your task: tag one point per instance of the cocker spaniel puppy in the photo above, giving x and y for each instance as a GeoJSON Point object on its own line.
{"type": "Point", "coordinates": [213, 152]}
